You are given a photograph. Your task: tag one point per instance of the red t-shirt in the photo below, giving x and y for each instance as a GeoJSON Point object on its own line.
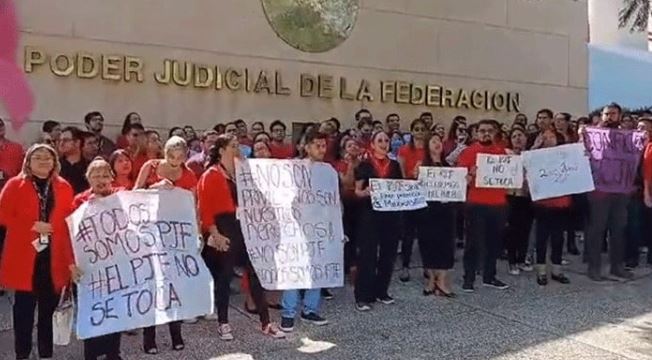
{"type": "Point", "coordinates": [341, 166]}
{"type": "Point", "coordinates": [281, 150]}
{"type": "Point", "coordinates": [561, 202]}
{"type": "Point", "coordinates": [647, 163]}
{"type": "Point", "coordinates": [11, 160]}
{"type": "Point", "coordinates": [482, 196]}
{"type": "Point", "coordinates": [411, 157]}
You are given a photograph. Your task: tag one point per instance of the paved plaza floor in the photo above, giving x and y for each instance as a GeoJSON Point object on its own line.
{"type": "Point", "coordinates": [583, 320]}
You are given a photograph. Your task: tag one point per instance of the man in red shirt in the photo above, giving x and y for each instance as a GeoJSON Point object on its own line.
{"type": "Point", "coordinates": [11, 162]}
{"type": "Point", "coordinates": [485, 211]}
{"type": "Point", "coordinates": [197, 162]}
{"type": "Point", "coordinates": [280, 150]}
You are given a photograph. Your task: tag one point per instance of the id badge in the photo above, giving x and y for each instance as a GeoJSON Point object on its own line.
{"type": "Point", "coordinates": [38, 246]}
{"type": "Point", "coordinates": [2, 175]}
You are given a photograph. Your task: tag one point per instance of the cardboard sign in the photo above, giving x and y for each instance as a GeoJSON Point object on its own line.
{"type": "Point", "coordinates": [444, 184]}
{"type": "Point", "coordinates": [397, 195]}
{"type": "Point", "coordinates": [499, 171]}
{"type": "Point", "coordinates": [139, 252]}
{"type": "Point", "coordinates": [291, 218]}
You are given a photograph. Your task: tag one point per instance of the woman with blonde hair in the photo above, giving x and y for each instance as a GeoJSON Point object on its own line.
{"type": "Point", "coordinates": [100, 178]}
{"type": "Point", "coordinates": [37, 256]}
{"type": "Point", "coordinates": [167, 173]}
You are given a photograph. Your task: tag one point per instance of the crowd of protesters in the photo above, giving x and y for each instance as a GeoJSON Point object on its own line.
{"type": "Point", "coordinates": [68, 166]}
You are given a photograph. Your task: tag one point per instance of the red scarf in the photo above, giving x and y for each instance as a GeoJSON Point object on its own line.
{"type": "Point", "coordinates": [382, 167]}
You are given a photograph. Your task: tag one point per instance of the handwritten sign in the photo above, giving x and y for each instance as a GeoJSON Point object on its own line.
{"type": "Point", "coordinates": [558, 171]}
{"type": "Point", "coordinates": [445, 184]}
{"type": "Point", "coordinates": [499, 171]}
{"type": "Point", "coordinates": [140, 257]}
{"type": "Point", "coordinates": [291, 219]}
{"type": "Point", "coordinates": [397, 195]}
{"type": "Point", "coordinates": [615, 156]}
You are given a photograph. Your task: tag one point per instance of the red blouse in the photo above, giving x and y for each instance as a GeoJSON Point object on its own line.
{"type": "Point", "coordinates": [411, 157]}
{"type": "Point", "coordinates": [213, 197]}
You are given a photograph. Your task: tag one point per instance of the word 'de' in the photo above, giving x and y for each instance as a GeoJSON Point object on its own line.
{"type": "Point", "coordinates": [499, 171]}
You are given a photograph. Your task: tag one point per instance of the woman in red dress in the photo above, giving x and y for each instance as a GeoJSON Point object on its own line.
{"type": "Point", "coordinates": [167, 173]}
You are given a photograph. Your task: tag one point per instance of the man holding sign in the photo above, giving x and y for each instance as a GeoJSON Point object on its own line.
{"type": "Point", "coordinates": [485, 211]}
{"type": "Point", "coordinates": [615, 155]}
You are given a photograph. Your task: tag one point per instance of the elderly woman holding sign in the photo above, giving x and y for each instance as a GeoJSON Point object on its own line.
{"type": "Point", "coordinates": [37, 253]}
{"type": "Point", "coordinates": [99, 176]}
{"type": "Point", "coordinates": [379, 231]}
{"type": "Point", "coordinates": [217, 201]}
{"type": "Point", "coordinates": [167, 173]}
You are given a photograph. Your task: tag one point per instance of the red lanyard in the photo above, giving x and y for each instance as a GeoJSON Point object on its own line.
{"type": "Point", "coordinates": [381, 166]}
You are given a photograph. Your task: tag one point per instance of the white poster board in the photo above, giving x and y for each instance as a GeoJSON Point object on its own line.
{"type": "Point", "coordinates": [499, 171]}
{"type": "Point", "coordinates": [397, 195]}
{"type": "Point", "coordinates": [558, 171]}
{"type": "Point", "coordinates": [444, 184]}
{"type": "Point", "coordinates": [291, 218]}
{"type": "Point", "coordinates": [139, 252]}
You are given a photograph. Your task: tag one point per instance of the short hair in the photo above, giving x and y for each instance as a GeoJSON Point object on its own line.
{"type": "Point", "coordinates": [546, 111]}
{"type": "Point", "coordinates": [493, 123]}
{"type": "Point", "coordinates": [75, 132]}
{"type": "Point", "coordinates": [135, 126]}
{"type": "Point", "coordinates": [98, 163]}
{"type": "Point", "coordinates": [86, 134]}
{"type": "Point", "coordinates": [208, 133]}
{"type": "Point", "coordinates": [92, 114]}
{"type": "Point", "coordinates": [117, 153]}
{"type": "Point", "coordinates": [313, 135]}
{"type": "Point", "coordinates": [239, 121]}
{"type": "Point", "coordinates": [336, 122]}
{"type": "Point", "coordinates": [376, 122]}
{"type": "Point", "coordinates": [424, 114]}
{"type": "Point", "coordinates": [359, 113]}
{"type": "Point", "coordinates": [173, 129]}
{"type": "Point", "coordinates": [277, 123]}
{"type": "Point", "coordinates": [175, 143]}
{"type": "Point", "coordinates": [565, 115]}
{"type": "Point", "coordinates": [390, 115]}
{"type": "Point", "coordinates": [49, 125]}
{"type": "Point", "coordinates": [365, 121]}
{"type": "Point", "coordinates": [614, 105]}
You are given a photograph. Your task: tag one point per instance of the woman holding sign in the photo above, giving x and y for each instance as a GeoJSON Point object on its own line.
{"type": "Point", "coordinates": [37, 254]}
{"type": "Point", "coordinates": [379, 232]}
{"type": "Point", "coordinates": [167, 173]}
{"type": "Point", "coordinates": [436, 228]}
{"type": "Point", "coordinates": [217, 201]}
{"type": "Point", "coordinates": [408, 157]}
{"type": "Point", "coordinates": [100, 178]}
{"type": "Point", "coordinates": [550, 215]}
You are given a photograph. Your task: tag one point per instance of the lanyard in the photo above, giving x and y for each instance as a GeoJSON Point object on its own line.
{"type": "Point", "coordinates": [43, 200]}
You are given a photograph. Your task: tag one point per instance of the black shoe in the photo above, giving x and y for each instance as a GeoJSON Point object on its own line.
{"type": "Point", "coordinates": [177, 343]}
{"type": "Point", "coordinates": [542, 279]}
{"type": "Point", "coordinates": [327, 294]}
{"type": "Point", "coordinates": [574, 251]}
{"type": "Point", "coordinates": [596, 277]}
{"type": "Point", "coordinates": [405, 275]}
{"type": "Point", "coordinates": [362, 306]}
{"type": "Point", "coordinates": [428, 292]}
{"type": "Point", "coordinates": [496, 284]}
{"type": "Point", "coordinates": [287, 324]}
{"type": "Point", "coordinates": [314, 319]}
{"type": "Point", "coordinates": [440, 292]}
{"type": "Point", "coordinates": [623, 274]}
{"type": "Point", "coordinates": [386, 299]}
{"type": "Point", "coordinates": [468, 287]}
{"type": "Point", "coordinates": [561, 278]}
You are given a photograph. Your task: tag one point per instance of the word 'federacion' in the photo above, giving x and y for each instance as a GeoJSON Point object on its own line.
{"type": "Point", "coordinates": [125, 68]}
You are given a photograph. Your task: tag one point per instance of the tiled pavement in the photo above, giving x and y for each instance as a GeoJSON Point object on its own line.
{"type": "Point", "coordinates": [584, 320]}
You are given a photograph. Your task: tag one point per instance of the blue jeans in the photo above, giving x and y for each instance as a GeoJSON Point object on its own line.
{"type": "Point", "coordinates": [291, 298]}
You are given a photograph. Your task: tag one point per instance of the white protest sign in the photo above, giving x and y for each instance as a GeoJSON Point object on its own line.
{"type": "Point", "coordinates": [397, 195]}
{"type": "Point", "coordinates": [499, 171]}
{"type": "Point", "coordinates": [291, 218]}
{"type": "Point", "coordinates": [140, 257]}
{"type": "Point", "coordinates": [557, 171]}
{"type": "Point", "coordinates": [445, 184]}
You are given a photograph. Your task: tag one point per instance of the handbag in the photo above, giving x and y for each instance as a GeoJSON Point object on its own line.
{"type": "Point", "coordinates": [62, 319]}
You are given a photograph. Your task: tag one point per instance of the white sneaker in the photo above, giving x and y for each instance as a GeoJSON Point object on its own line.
{"type": "Point", "coordinates": [191, 321]}
{"type": "Point", "coordinates": [565, 262]}
{"type": "Point", "coordinates": [526, 267]}
{"type": "Point", "coordinates": [210, 317]}
{"type": "Point", "coordinates": [513, 270]}
{"type": "Point", "coordinates": [224, 332]}
{"type": "Point", "coordinates": [273, 331]}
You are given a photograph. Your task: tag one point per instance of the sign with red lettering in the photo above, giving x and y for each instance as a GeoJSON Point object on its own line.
{"type": "Point", "coordinates": [139, 252]}
{"type": "Point", "coordinates": [291, 218]}
{"type": "Point", "coordinates": [499, 171]}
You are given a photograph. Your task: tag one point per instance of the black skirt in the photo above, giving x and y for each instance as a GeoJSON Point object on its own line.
{"type": "Point", "coordinates": [436, 240]}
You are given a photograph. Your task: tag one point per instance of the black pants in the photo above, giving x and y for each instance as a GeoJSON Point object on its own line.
{"type": "Point", "coordinates": [221, 264]}
{"type": "Point", "coordinates": [486, 225]}
{"type": "Point", "coordinates": [410, 224]}
{"type": "Point", "coordinates": [350, 222]}
{"type": "Point", "coordinates": [608, 212]}
{"type": "Point", "coordinates": [43, 296]}
{"type": "Point", "coordinates": [634, 230]}
{"type": "Point", "coordinates": [550, 229]}
{"type": "Point", "coordinates": [519, 224]}
{"type": "Point", "coordinates": [108, 345]}
{"type": "Point", "coordinates": [379, 233]}
{"type": "Point", "coordinates": [149, 334]}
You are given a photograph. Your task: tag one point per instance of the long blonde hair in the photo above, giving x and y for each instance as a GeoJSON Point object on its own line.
{"type": "Point", "coordinates": [26, 171]}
